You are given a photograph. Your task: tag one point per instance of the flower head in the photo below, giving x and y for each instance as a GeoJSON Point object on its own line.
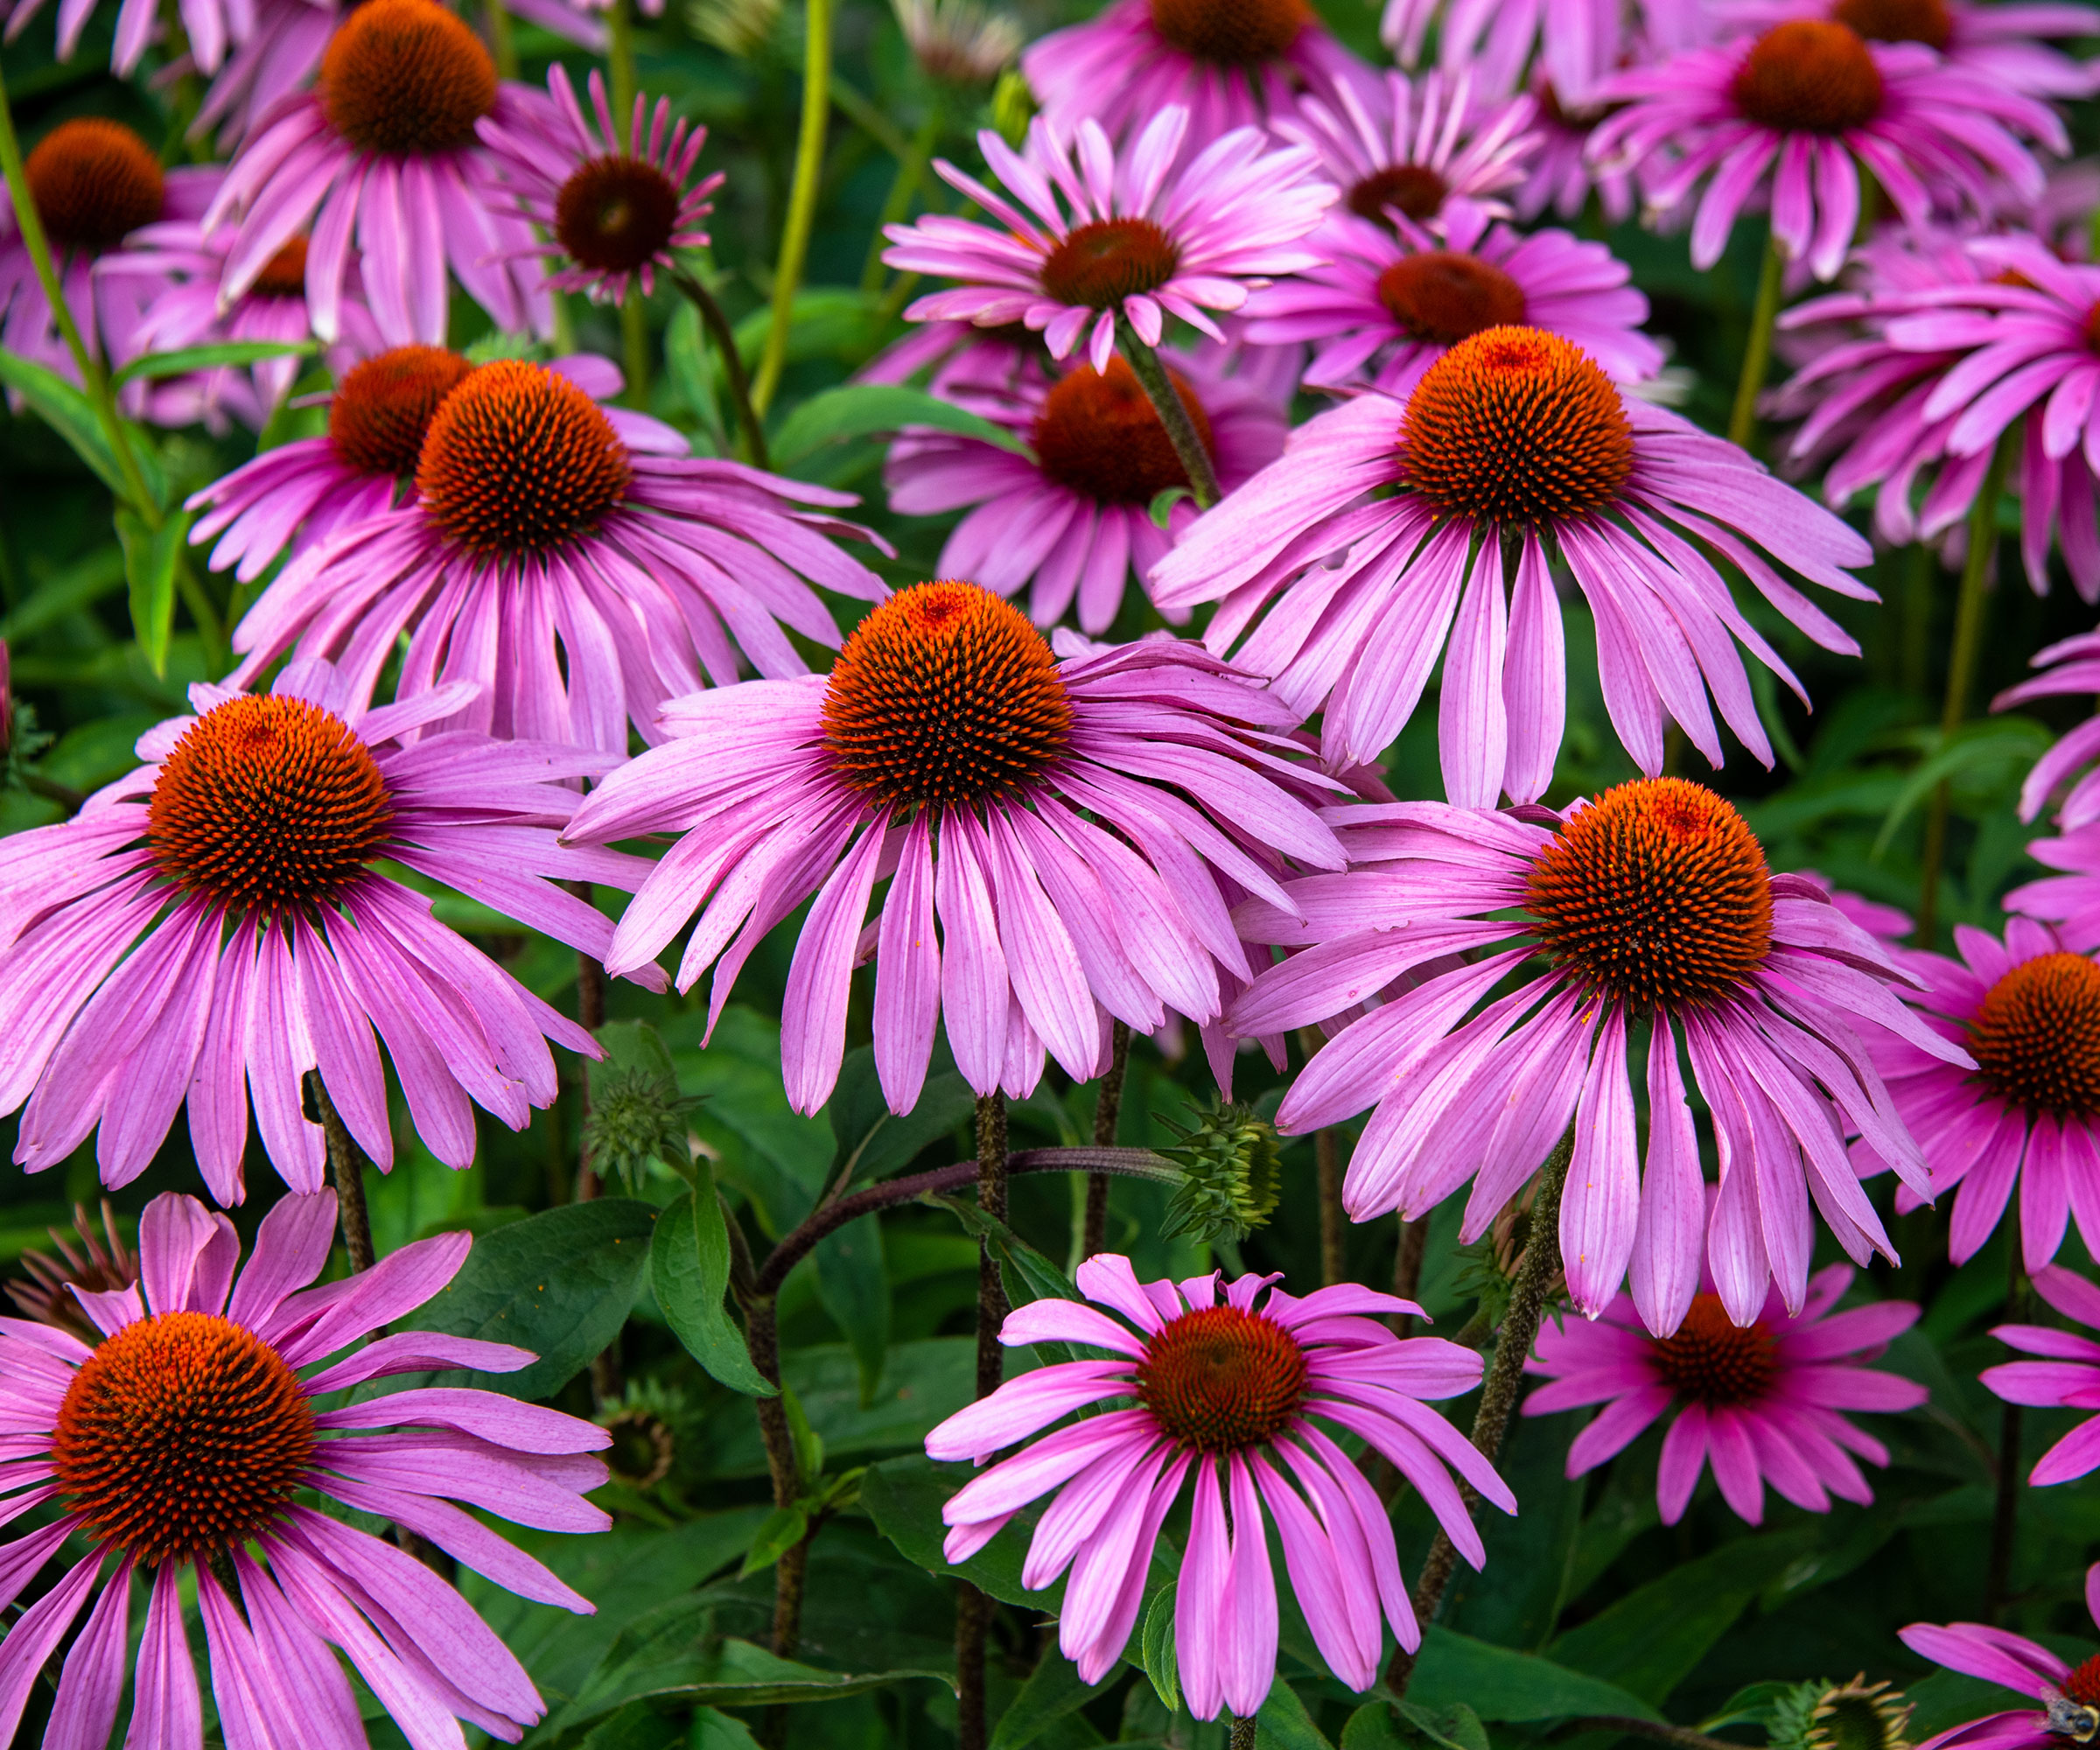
{"type": "Point", "coordinates": [951, 746]}
{"type": "Point", "coordinates": [1789, 116]}
{"type": "Point", "coordinates": [958, 42]}
{"type": "Point", "coordinates": [2002, 44]}
{"type": "Point", "coordinates": [178, 1446]}
{"type": "Point", "coordinates": [1394, 297]}
{"type": "Point", "coordinates": [1228, 1393]}
{"type": "Point", "coordinates": [384, 148]}
{"type": "Point", "coordinates": [1074, 514]}
{"type": "Point", "coordinates": [1762, 1401]}
{"type": "Point", "coordinates": [2064, 1377]}
{"type": "Point", "coordinates": [96, 1265]}
{"type": "Point", "coordinates": [568, 559]}
{"type": "Point", "coordinates": [1513, 435]}
{"type": "Point", "coordinates": [1099, 235]}
{"type": "Point", "coordinates": [2068, 1695]}
{"type": "Point", "coordinates": [614, 209]}
{"type": "Point", "coordinates": [215, 924]}
{"type": "Point", "coordinates": [1653, 906]}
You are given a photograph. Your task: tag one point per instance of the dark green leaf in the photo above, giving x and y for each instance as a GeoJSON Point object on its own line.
{"type": "Point", "coordinates": [187, 359]}
{"type": "Point", "coordinates": [560, 1283]}
{"type": "Point", "coordinates": [904, 1498]}
{"type": "Point", "coordinates": [873, 1142]}
{"type": "Point", "coordinates": [1498, 1683]}
{"type": "Point", "coordinates": [867, 410]}
{"type": "Point", "coordinates": [688, 1268]}
{"type": "Point", "coordinates": [637, 1726]}
{"type": "Point", "coordinates": [714, 1730]}
{"type": "Point", "coordinates": [1374, 1728]}
{"type": "Point", "coordinates": [1052, 1692]}
{"type": "Point", "coordinates": [855, 1291]}
{"type": "Point", "coordinates": [1284, 1724]}
{"type": "Point", "coordinates": [780, 1531]}
{"type": "Point", "coordinates": [809, 1444]}
{"type": "Point", "coordinates": [67, 591]}
{"type": "Point", "coordinates": [1156, 1646]}
{"type": "Point", "coordinates": [923, 1382]}
{"type": "Point", "coordinates": [66, 410]}
{"type": "Point", "coordinates": [150, 557]}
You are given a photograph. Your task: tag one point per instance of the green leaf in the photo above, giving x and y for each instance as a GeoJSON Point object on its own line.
{"type": "Point", "coordinates": [808, 1443]}
{"type": "Point", "coordinates": [1155, 1647]}
{"type": "Point", "coordinates": [924, 1380]}
{"type": "Point", "coordinates": [560, 1283]}
{"type": "Point", "coordinates": [714, 1730]}
{"type": "Point", "coordinates": [873, 1142]}
{"type": "Point", "coordinates": [855, 1291]}
{"type": "Point", "coordinates": [867, 410]}
{"type": "Point", "coordinates": [185, 360]}
{"type": "Point", "coordinates": [66, 410]}
{"type": "Point", "coordinates": [1284, 1724]}
{"type": "Point", "coordinates": [150, 557]}
{"type": "Point", "coordinates": [688, 1268]}
{"type": "Point", "coordinates": [1161, 509]}
{"type": "Point", "coordinates": [1052, 1692]}
{"type": "Point", "coordinates": [637, 1726]}
{"type": "Point", "coordinates": [780, 1532]}
{"type": "Point", "coordinates": [904, 1498]}
{"type": "Point", "coordinates": [67, 591]}
{"type": "Point", "coordinates": [1373, 1727]}
{"type": "Point", "coordinates": [2011, 742]}
{"type": "Point", "coordinates": [1498, 1683]}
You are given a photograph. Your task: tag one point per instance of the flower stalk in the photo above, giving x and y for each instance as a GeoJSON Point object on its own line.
{"type": "Point", "coordinates": [723, 337]}
{"type": "Point", "coordinates": [973, 1609]}
{"type": "Point", "coordinates": [1166, 403]}
{"type": "Point", "coordinates": [1108, 1109]}
{"type": "Point", "coordinates": [801, 198]}
{"type": "Point", "coordinates": [1757, 351]}
{"type": "Point", "coordinates": [346, 1172]}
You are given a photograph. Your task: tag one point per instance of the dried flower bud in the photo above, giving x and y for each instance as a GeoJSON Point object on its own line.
{"type": "Point", "coordinates": [958, 42]}
{"type": "Point", "coordinates": [1231, 1175]}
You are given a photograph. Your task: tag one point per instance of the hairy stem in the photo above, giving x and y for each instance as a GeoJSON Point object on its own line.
{"type": "Point", "coordinates": [1505, 1376]}
{"type": "Point", "coordinates": [1108, 1109]}
{"type": "Point", "coordinates": [345, 1172]}
{"type": "Point", "coordinates": [801, 198]}
{"type": "Point", "coordinates": [973, 1609]}
{"type": "Point", "coordinates": [1166, 403]}
{"type": "Point", "coordinates": [762, 1337]}
{"type": "Point", "coordinates": [1757, 350]}
{"type": "Point", "coordinates": [719, 331]}
{"type": "Point", "coordinates": [1961, 676]}
{"type": "Point", "coordinates": [1243, 1730]}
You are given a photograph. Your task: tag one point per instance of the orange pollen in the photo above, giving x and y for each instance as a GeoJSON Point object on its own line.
{"type": "Point", "coordinates": [1656, 893]}
{"type": "Point", "coordinates": [1443, 297]}
{"type": "Point", "coordinates": [285, 273]}
{"type": "Point", "coordinates": [268, 804]}
{"type": "Point", "coordinates": [1232, 32]}
{"type": "Point", "coordinates": [945, 697]}
{"type": "Point", "coordinates": [2083, 1684]}
{"type": "Point", "coordinates": [1220, 1379]}
{"type": "Point", "coordinates": [1516, 425]}
{"type": "Point", "coordinates": [95, 183]}
{"type": "Point", "coordinates": [2036, 1036]}
{"type": "Point", "coordinates": [1713, 1361]}
{"type": "Point", "coordinates": [519, 459]}
{"type": "Point", "coordinates": [406, 76]}
{"type": "Point", "coordinates": [1412, 189]}
{"type": "Point", "coordinates": [1809, 76]}
{"type": "Point", "coordinates": [383, 406]}
{"type": "Point", "coordinates": [1898, 21]}
{"type": "Point", "coordinates": [615, 212]}
{"type": "Point", "coordinates": [1098, 434]}
{"type": "Point", "coordinates": [181, 1435]}
{"type": "Point", "coordinates": [1105, 261]}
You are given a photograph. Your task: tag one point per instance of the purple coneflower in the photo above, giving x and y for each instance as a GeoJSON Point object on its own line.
{"type": "Point", "coordinates": [1513, 435]}
{"type": "Point", "coordinates": [274, 61]}
{"type": "Point", "coordinates": [109, 1435]}
{"type": "Point", "coordinates": [2066, 1376]}
{"type": "Point", "coordinates": [1394, 297]}
{"type": "Point", "coordinates": [1651, 906]}
{"type": "Point", "coordinates": [1229, 64]}
{"type": "Point", "coordinates": [556, 558]}
{"type": "Point", "coordinates": [2024, 1110]}
{"type": "Point", "coordinates": [2070, 1695]}
{"type": "Point", "coordinates": [1761, 1402]}
{"type": "Point", "coordinates": [1106, 235]}
{"type": "Point", "coordinates": [950, 751]}
{"type": "Point", "coordinates": [1578, 42]}
{"type": "Point", "coordinates": [383, 149]}
{"type": "Point", "coordinates": [1229, 1393]}
{"type": "Point", "coordinates": [212, 926]}
{"type": "Point", "coordinates": [2071, 666]}
{"type": "Point", "coordinates": [1999, 43]}
{"type": "Point", "coordinates": [613, 210]}
{"type": "Point", "coordinates": [1790, 118]}
{"type": "Point", "coordinates": [1072, 516]}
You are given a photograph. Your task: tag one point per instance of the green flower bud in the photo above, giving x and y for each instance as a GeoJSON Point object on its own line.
{"type": "Point", "coordinates": [1231, 1175]}
{"type": "Point", "coordinates": [1014, 106]}
{"type": "Point", "coordinates": [637, 1113]}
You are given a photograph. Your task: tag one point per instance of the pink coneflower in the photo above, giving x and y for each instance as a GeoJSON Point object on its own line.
{"type": "Point", "coordinates": [578, 580]}
{"type": "Point", "coordinates": [614, 210]}
{"type": "Point", "coordinates": [1563, 174]}
{"type": "Point", "coordinates": [1072, 516]}
{"type": "Point", "coordinates": [948, 744]}
{"type": "Point", "coordinates": [384, 149]}
{"type": "Point", "coordinates": [1515, 435]}
{"type": "Point", "coordinates": [276, 60]}
{"type": "Point", "coordinates": [2070, 1695]}
{"type": "Point", "coordinates": [1578, 42]}
{"type": "Point", "coordinates": [1229, 64]}
{"type": "Point", "coordinates": [979, 368]}
{"type": "Point", "coordinates": [2068, 1376]}
{"type": "Point", "coordinates": [178, 1445]}
{"type": "Point", "coordinates": [1651, 905]}
{"type": "Point", "coordinates": [2000, 42]}
{"type": "Point", "coordinates": [1233, 1389]}
{"type": "Point", "coordinates": [1394, 298]}
{"type": "Point", "coordinates": [1885, 923]}
{"type": "Point", "coordinates": [95, 182]}
{"type": "Point", "coordinates": [1141, 239]}
{"type": "Point", "coordinates": [1408, 145]}
{"type": "Point", "coordinates": [1961, 354]}
{"type": "Point", "coordinates": [2071, 666]}
{"type": "Point", "coordinates": [2025, 1110]}
{"type": "Point", "coordinates": [1761, 1402]}
{"type": "Point", "coordinates": [1783, 117]}
{"type": "Point", "coordinates": [214, 924]}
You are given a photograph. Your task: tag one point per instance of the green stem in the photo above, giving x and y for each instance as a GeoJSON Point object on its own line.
{"type": "Point", "coordinates": [634, 344]}
{"type": "Point", "coordinates": [1757, 353]}
{"type": "Point", "coordinates": [1961, 676]}
{"type": "Point", "coordinates": [911, 171]}
{"type": "Point", "coordinates": [1166, 403]}
{"type": "Point", "coordinates": [801, 198]}
{"type": "Point", "coordinates": [93, 378]}
{"type": "Point", "coordinates": [502, 44]}
{"type": "Point", "coordinates": [619, 61]}
{"type": "Point", "coordinates": [724, 338]}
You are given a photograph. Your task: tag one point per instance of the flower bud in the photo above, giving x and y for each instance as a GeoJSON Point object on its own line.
{"type": "Point", "coordinates": [1231, 1175]}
